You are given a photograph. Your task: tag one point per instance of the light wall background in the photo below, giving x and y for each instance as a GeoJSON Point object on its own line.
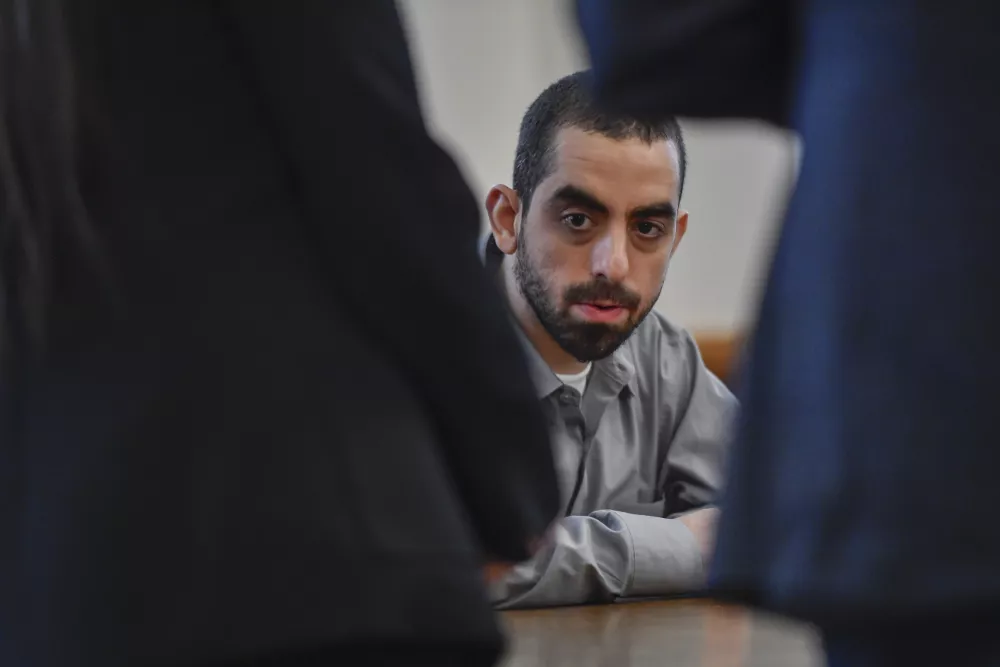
{"type": "Point", "coordinates": [480, 63]}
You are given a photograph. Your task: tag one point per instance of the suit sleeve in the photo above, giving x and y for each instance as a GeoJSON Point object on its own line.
{"type": "Point", "coordinates": [695, 58]}
{"type": "Point", "coordinates": [397, 227]}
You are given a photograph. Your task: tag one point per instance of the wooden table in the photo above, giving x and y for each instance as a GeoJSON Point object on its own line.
{"type": "Point", "coordinates": [664, 633]}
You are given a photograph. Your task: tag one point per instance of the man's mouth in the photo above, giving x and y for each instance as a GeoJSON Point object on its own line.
{"type": "Point", "coordinates": [604, 312]}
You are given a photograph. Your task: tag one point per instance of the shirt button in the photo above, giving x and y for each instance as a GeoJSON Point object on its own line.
{"type": "Point", "coordinates": [568, 397]}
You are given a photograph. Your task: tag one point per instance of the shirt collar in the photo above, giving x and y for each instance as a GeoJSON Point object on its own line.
{"type": "Point", "coordinates": [618, 368]}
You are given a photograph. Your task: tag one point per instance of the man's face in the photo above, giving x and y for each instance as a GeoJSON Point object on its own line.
{"type": "Point", "coordinates": [593, 248]}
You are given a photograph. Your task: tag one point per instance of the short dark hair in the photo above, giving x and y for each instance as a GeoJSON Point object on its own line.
{"type": "Point", "coordinates": [568, 103]}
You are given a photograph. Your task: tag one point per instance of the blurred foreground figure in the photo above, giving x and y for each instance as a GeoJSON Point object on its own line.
{"type": "Point", "coordinates": [863, 492]}
{"type": "Point", "coordinates": [236, 425]}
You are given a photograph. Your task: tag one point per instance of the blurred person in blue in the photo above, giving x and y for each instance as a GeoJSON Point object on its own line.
{"type": "Point", "coordinates": [236, 426]}
{"type": "Point", "coordinates": [863, 493]}
{"type": "Point", "coordinates": [580, 246]}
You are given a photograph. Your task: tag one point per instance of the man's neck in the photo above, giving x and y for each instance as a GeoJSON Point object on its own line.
{"type": "Point", "coordinates": [560, 361]}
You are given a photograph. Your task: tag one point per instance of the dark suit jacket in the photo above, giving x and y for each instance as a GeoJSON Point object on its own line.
{"type": "Point", "coordinates": [302, 420]}
{"type": "Point", "coordinates": [864, 482]}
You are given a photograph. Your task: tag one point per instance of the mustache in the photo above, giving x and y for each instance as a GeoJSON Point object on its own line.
{"type": "Point", "coordinates": [602, 290]}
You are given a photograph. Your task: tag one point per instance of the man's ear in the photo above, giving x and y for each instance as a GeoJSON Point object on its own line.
{"type": "Point", "coordinates": [680, 229]}
{"type": "Point", "coordinates": [504, 209]}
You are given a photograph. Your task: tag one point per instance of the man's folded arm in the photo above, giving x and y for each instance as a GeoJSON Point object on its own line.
{"type": "Point", "coordinates": [602, 557]}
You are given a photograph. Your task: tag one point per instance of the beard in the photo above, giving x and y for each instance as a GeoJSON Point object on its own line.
{"type": "Point", "coordinates": [584, 341]}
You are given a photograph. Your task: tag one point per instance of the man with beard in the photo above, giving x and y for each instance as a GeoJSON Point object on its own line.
{"type": "Point", "coordinates": [580, 246]}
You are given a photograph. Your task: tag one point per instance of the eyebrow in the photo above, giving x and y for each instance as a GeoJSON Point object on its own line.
{"type": "Point", "coordinates": [576, 196]}
{"type": "Point", "coordinates": [658, 210]}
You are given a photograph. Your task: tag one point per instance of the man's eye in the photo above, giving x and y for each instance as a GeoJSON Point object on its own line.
{"type": "Point", "coordinates": [576, 221]}
{"type": "Point", "coordinates": [649, 229]}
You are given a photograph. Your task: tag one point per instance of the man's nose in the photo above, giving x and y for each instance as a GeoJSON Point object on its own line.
{"type": "Point", "coordinates": [610, 256]}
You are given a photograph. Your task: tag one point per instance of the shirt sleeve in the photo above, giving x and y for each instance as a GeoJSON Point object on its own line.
{"type": "Point", "coordinates": [692, 475]}
{"type": "Point", "coordinates": [616, 554]}
{"type": "Point", "coordinates": [602, 557]}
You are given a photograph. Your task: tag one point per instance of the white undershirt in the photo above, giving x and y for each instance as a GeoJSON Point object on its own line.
{"type": "Point", "coordinates": [577, 380]}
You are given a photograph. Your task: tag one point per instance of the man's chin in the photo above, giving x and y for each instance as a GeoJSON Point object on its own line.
{"type": "Point", "coordinates": [586, 349]}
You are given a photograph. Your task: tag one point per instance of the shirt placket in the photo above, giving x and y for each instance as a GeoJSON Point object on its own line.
{"type": "Point", "coordinates": [574, 431]}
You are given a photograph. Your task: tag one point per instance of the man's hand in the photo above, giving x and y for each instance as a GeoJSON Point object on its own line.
{"type": "Point", "coordinates": [496, 571]}
{"type": "Point", "coordinates": [703, 523]}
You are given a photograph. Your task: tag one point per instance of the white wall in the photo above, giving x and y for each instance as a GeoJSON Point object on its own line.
{"type": "Point", "coordinates": [480, 63]}
{"type": "Point", "coordinates": [736, 190]}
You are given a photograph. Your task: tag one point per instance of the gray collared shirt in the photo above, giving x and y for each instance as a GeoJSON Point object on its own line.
{"type": "Point", "coordinates": [645, 442]}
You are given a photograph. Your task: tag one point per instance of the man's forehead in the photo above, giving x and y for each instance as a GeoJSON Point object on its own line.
{"type": "Point", "coordinates": [628, 166]}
